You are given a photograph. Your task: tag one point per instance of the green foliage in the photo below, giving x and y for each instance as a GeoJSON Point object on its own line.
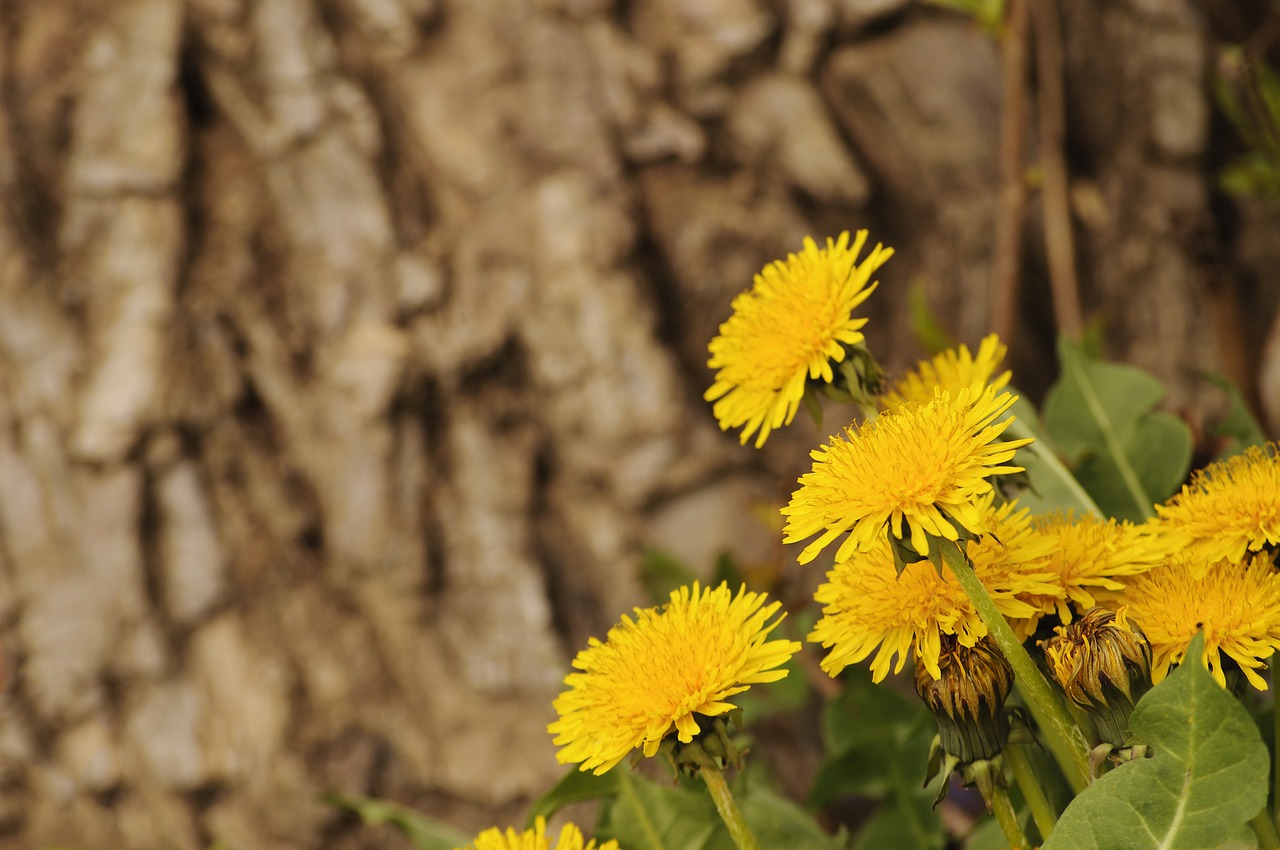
{"type": "Point", "coordinates": [988, 14]}
{"type": "Point", "coordinates": [660, 574]}
{"type": "Point", "coordinates": [925, 325]}
{"type": "Point", "coordinates": [1205, 781]}
{"type": "Point", "coordinates": [646, 815]}
{"type": "Point", "coordinates": [577, 786]}
{"type": "Point", "coordinates": [423, 832]}
{"type": "Point", "coordinates": [1238, 428]}
{"type": "Point", "coordinates": [877, 745]}
{"type": "Point", "coordinates": [1123, 451]}
{"type": "Point", "coordinates": [1052, 487]}
{"type": "Point", "coordinates": [1247, 91]}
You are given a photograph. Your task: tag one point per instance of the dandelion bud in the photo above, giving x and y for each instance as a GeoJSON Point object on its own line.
{"type": "Point", "coordinates": [1102, 662]}
{"type": "Point", "coordinates": [968, 703]}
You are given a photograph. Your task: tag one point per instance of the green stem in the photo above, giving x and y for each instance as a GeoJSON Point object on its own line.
{"type": "Point", "coordinates": [725, 804]}
{"type": "Point", "coordinates": [1025, 775]}
{"type": "Point", "coordinates": [1061, 733]}
{"type": "Point", "coordinates": [1017, 430]}
{"type": "Point", "coordinates": [1266, 831]}
{"type": "Point", "coordinates": [1008, 819]}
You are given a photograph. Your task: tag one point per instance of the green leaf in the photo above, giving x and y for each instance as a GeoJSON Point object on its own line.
{"type": "Point", "coordinates": [1238, 427]}
{"type": "Point", "coordinates": [576, 786]}
{"type": "Point", "coordinates": [645, 816]}
{"type": "Point", "coordinates": [865, 712]}
{"type": "Point", "coordinates": [780, 824]}
{"type": "Point", "coordinates": [904, 822]}
{"type": "Point", "coordinates": [925, 326]}
{"type": "Point", "coordinates": [423, 832]}
{"type": "Point", "coordinates": [877, 744]}
{"type": "Point", "coordinates": [649, 816]}
{"type": "Point", "coordinates": [1101, 417]}
{"type": "Point", "coordinates": [1053, 487]}
{"type": "Point", "coordinates": [660, 574]}
{"type": "Point", "coordinates": [1206, 779]}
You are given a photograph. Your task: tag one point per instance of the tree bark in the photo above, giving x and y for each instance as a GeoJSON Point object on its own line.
{"type": "Point", "coordinates": [351, 355]}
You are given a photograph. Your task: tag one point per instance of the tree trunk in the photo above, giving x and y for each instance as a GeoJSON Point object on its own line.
{"type": "Point", "coordinates": [351, 353]}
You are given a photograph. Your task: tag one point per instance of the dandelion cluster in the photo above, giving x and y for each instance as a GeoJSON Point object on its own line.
{"type": "Point", "coordinates": [936, 566]}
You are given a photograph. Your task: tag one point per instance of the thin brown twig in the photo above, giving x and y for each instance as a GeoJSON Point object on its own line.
{"type": "Point", "coordinates": [1059, 244]}
{"type": "Point", "coordinates": [1013, 193]}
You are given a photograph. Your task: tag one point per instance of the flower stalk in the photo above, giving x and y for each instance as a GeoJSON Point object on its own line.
{"type": "Point", "coordinates": [711, 774]}
{"type": "Point", "coordinates": [1023, 773]}
{"type": "Point", "coordinates": [1063, 737]}
{"type": "Point", "coordinates": [1002, 808]}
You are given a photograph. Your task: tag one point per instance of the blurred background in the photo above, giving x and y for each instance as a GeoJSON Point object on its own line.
{"type": "Point", "coordinates": [352, 351]}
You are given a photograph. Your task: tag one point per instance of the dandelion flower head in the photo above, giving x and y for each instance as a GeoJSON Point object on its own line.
{"type": "Point", "coordinates": [1090, 554]}
{"type": "Point", "coordinates": [869, 608]}
{"type": "Point", "coordinates": [788, 328]}
{"type": "Point", "coordinates": [952, 370]}
{"type": "Point", "coordinates": [657, 672]}
{"type": "Point", "coordinates": [1230, 507]}
{"type": "Point", "coordinates": [536, 839]}
{"type": "Point", "coordinates": [921, 466]}
{"type": "Point", "coordinates": [1237, 605]}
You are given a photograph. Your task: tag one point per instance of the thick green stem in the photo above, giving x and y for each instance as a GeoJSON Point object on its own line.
{"type": "Point", "coordinates": [1060, 732]}
{"type": "Point", "coordinates": [1266, 831]}
{"type": "Point", "coordinates": [1025, 775]}
{"type": "Point", "coordinates": [1008, 819]}
{"type": "Point", "coordinates": [725, 804]}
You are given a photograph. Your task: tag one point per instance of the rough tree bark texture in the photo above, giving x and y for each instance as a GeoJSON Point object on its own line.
{"type": "Point", "coordinates": [351, 351]}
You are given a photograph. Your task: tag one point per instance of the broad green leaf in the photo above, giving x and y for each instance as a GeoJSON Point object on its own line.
{"type": "Point", "coordinates": [864, 711]}
{"type": "Point", "coordinates": [423, 832]}
{"type": "Point", "coordinates": [577, 786]}
{"type": "Point", "coordinates": [1238, 427]}
{"type": "Point", "coordinates": [1053, 487]}
{"type": "Point", "coordinates": [648, 816]}
{"type": "Point", "coordinates": [1206, 779]}
{"type": "Point", "coordinates": [904, 822]}
{"type": "Point", "coordinates": [1101, 417]}
{"type": "Point", "coordinates": [877, 744]}
{"type": "Point", "coordinates": [780, 824]}
{"type": "Point", "coordinates": [1159, 452]}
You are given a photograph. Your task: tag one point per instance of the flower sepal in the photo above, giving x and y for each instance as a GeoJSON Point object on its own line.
{"type": "Point", "coordinates": [711, 746]}
{"type": "Point", "coordinates": [905, 554]}
{"type": "Point", "coordinates": [859, 378]}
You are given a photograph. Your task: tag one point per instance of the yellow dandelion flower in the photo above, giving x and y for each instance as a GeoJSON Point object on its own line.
{"type": "Point", "coordinates": [1237, 605]}
{"type": "Point", "coordinates": [1230, 507]}
{"type": "Point", "coordinates": [868, 607]}
{"type": "Point", "coordinates": [788, 328]}
{"type": "Point", "coordinates": [658, 672]}
{"type": "Point", "coordinates": [953, 370]}
{"type": "Point", "coordinates": [536, 839]}
{"type": "Point", "coordinates": [922, 465]}
{"type": "Point", "coordinates": [1089, 554]}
